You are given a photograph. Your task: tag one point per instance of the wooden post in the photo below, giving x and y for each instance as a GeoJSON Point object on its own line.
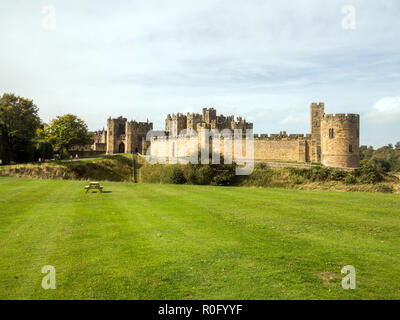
{"type": "Point", "coordinates": [134, 168]}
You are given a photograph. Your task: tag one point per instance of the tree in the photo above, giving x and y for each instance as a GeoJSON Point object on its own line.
{"type": "Point", "coordinates": [44, 150]}
{"type": "Point", "coordinates": [67, 131]}
{"type": "Point", "coordinates": [397, 146]}
{"type": "Point", "coordinates": [18, 123]}
{"type": "Point", "coordinates": [366, 152]}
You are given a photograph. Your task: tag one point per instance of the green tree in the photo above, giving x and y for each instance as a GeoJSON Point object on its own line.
{"type": "Point", "coordinates": [19, 121]}
{"type": "Point", "coordinates": [67, 131]}
{"type": "Point", "coordinates": [44, 150]}
{"type": "Point", "coordinates": [366, 152]}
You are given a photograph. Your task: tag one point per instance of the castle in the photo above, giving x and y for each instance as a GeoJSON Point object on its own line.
{"type": "Point", "coordinates": [334, 139]}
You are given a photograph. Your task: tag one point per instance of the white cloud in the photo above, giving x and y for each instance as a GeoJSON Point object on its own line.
{"type": "Point", "coordinates": [385, 111]}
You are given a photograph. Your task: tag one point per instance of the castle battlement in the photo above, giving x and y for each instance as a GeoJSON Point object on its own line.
{"type": "Point", "coordinates": [175, 116]}
{"type": "Point", "coordinates": [281, 137]}
{"type": "Point", "coordinates": [139, 125]}
{"type": "Point", "coordinates": [351, 117]}
{"type": "Point", "coordinates": [119, 119]}
{"type": "Point", "coordinates": [193, 115]}
{"type": "Point", "coordinates": [315, 104]}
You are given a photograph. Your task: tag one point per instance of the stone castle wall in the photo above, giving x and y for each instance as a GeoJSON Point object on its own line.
{"type": "Point", "coordinates": [295, 149]}
{"type": "Point", "coordinates": [283, 149]}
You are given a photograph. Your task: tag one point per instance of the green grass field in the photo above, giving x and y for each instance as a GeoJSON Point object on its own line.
{"type": "Point", "coordinates": [142, 241]}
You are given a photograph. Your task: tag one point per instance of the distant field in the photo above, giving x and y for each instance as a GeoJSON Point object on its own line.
{"type": "Point", "coordinates": [149, 241]}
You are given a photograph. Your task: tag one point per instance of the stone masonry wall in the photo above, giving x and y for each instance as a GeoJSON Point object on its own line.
{"type": "Point", "coordinates": [265, 149]}
{"type": "Point", "coordinates": [340, 139]}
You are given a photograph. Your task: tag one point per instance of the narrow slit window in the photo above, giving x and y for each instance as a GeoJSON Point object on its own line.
{"type": "Point", "coordinates": [331, 133]}
{"type": "Point", "coordinates": [350, 148]}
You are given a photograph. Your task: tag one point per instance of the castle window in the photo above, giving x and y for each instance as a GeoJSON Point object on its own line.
{"type": "Point", "coordinates": [331, 133]}
{"type": "Point", "coordinates": [350, 148]}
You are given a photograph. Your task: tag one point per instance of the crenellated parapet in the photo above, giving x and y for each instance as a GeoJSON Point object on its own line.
{"type": "Point", "coordinates": [341, 117]}
{"type": "Point", "coordinates": [282, 137]}
{"type": "Point", "coordinates": [139, 126]}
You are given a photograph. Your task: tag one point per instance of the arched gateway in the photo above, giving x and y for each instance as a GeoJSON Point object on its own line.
{"type": "Point", "coordinates": [121, 148]}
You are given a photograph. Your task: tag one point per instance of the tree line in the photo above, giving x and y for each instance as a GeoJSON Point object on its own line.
{"type": "Point", "coordinates": [386, 159]}
{"type": "Point", "coordinates": [24, 137]}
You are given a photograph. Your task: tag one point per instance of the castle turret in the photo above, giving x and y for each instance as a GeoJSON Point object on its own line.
{"type": "Point", "coordinates": [340, 140]}
{"type": "Point", "coordinates": [317, 112]}
{"type": "Point", "coordinates": [175, 124]}
{"type": "Point", "coordinates": [112, 132]}
{"type": "Point", "coordinates": [116, 129]}
{"type": "Point", "coordinates": [129, 137]}
{"type": "Point", "coordinates": [209, 115]}
{"type": "Point", "coordinates": [192, 120]}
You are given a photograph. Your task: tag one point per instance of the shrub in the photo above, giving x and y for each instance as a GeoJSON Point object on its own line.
{"type": "Point", "coordinates": [337, 175]}
{"type": "Point", "coordinates": [350, 179]}
{"type": "Point", "coordinates": [385, 188]}
{"type": "Point", "coordinates": [177, 176]}
{"type": "Point", "coordinates": [369, 173]}
{"type": "Point", "coordinates": [319, 174]}
{"type": "Point", "coordinates": [259, 177]}
{"type": "Point", "coordinates": [190, 172]}
{"type": "Point", "coordinates": [204, 174]}
{"type": "Point", "coordinates": [298, 180]}
{"type": "Point", "coordinates": [381, 164]}
{"type": "Point", "coordinates": [260, 166]}
{"type": "Point", "coordinates": [224, 175]}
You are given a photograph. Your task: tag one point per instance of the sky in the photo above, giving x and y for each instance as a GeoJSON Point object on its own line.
{"type": "Point", "coordinates": [266, 61]}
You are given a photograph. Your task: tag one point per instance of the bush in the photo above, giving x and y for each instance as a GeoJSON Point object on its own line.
{"type": "Point", "coordinates": [224, 175]}
{"type": "Point", "coordinates": [369, 173]}
{"type": "Point", "coordinates": [259, 178]}
{"type": "Point", "coordinates": [177, 176]}
{"type": "Point", "coordinates": [381, 164]}
{"type": "Point", "coordinates": [384, 188]}
{"type": "Point", "coordinates": [190, 172]}
{"type": "Point", "coordinates": [337, 175]}
{"type": "Point", "coordinates": [350, 179]}
{"type": "Point", "coordinates": [204, 174]}
{"type": "Point", "coordinates": [319, 174]}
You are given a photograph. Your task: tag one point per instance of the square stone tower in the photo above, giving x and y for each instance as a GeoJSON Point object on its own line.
{"type": "Point", "coordinates": [317, 113]}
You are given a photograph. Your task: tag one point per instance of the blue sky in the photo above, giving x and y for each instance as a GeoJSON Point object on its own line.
{"type": "Point", "coordinates": [263, 60]}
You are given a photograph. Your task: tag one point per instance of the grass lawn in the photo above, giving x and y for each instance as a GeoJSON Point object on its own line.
{"type": "Point", "coordinates": [142, 241]}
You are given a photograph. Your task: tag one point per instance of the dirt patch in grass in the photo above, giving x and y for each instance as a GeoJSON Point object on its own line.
{"type": "Point", "coordinates": [328, 278]}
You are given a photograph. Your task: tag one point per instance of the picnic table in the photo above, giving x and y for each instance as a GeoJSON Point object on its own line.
{"type": "Point", "coordinates": [94, 185]}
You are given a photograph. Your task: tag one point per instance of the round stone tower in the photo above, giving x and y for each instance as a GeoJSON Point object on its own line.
{"type": "Point", "coordinates": [340, 140]}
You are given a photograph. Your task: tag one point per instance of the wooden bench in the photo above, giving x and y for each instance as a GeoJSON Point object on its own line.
{"type": "Point", "coordinates": [94, 185]}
